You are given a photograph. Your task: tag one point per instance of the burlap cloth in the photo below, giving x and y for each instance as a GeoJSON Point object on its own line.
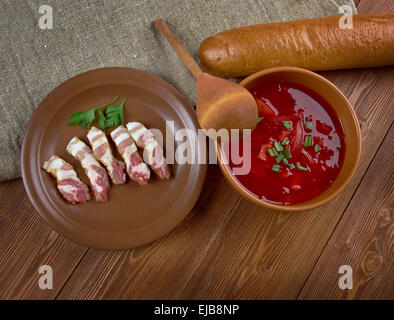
{"type": "Point", "coordinates": [96, 33]}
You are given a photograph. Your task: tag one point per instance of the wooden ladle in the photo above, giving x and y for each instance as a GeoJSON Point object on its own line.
{"type": "Point", "coordinates": [220, 103]}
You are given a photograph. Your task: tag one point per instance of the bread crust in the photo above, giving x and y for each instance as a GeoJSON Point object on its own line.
{"type": "Point", "coordinates": [314, 44]}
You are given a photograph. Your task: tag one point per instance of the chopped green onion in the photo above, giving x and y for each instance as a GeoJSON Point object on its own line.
{"type": "Point", "coordinates": [259, 119]}
{"type": "Point", "coordinates": [287, 153]}
{"type": "Point", "coordinates": [301, 168]}
{"type": "Point", "coordinates": [285, 142]}
{"type": "Point", "coordinates": [292, 166]}
{"type": "Point", "coordinates": [278, 146]}
{"type": "Point", "coordinates": [317, 148]}
{"type": "Point", "coordinates": [272, 152]}
{"type": "Point", "coordinates": [308, 141]}
{"type": "Point", "coordinates": [279, 157]}
{"type": "Point", "coordinates": [285, 161]}
{"type": "Point", "coordinates": [276, 168]}
{"type": "Point", "coordinates": [308, 125]}
{"type": "Point", "coordinates": [287, 124]}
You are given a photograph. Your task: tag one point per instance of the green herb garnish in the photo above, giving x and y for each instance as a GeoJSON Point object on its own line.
{"type": "Point", "coordinates": [287, 153]}
{"type": "Point", "coordinates": [101, 119]}
{"type": "Point", "coordinates": [308, 141]}
{"type": "Point", "coordinates": [292, 166]}
{"type": "Point", "coordinates": [285, 161]}
{"type": "Point", "coordinates": [276, 168]}
{"type": "Point", "coordinates": [278, 146]}
{"type": "Point", "coordinates": [279, 158]}
{"type": "Point", "coordinates": [272, 152]}
{"type": "Point", "coordinates": [285, 142]}
{"type": "Point", "coordinates": [287, 124]}
{"type": "Point", "coordinates": [308, 125]}
{"type": "Point", "coordinates": [301, 168]}
{"type": "Point", "coordinates": [113, 115]}
{"type": "Point", "coordinates": [317, 148]}
{"type": "Point", "coordinates": [259, 119]}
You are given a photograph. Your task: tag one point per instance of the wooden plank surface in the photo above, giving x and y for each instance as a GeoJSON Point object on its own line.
{"type": "Point", "coordinates": [262, 254]}
{"type": "Point", "coordinates": [375, 6]}
{"type": "Point", "coordinates": [257, 253]}
{"type": "Point", "coordinates": [228, 247]}
{"type": "Point", "coordinates": [163, 268]}
{"type": "Point", "coordinates": [364, 239]}
{"type": "Point", "coordinates": [26, 243]}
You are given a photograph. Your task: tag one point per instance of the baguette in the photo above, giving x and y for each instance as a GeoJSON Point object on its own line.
{"type": "Point", "coordinates": [314, 44]}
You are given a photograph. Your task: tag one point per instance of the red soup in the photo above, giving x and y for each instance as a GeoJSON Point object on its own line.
{"type": "Point", "coordinates": [298, 146]}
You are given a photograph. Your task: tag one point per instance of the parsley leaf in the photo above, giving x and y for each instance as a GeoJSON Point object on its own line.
{"type": "Point", "coordinates": [101, 119]}
{"type": "Point", "coordinates": [113, 115]}
{"type": "Point", "coordinates": [84, 118]}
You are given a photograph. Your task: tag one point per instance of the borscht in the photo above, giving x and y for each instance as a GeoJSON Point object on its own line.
{"type": "Point", "coordinates": [298, 147]}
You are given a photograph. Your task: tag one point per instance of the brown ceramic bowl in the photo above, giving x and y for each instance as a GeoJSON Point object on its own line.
{"type": "Point", "coordinates": [348, 120]}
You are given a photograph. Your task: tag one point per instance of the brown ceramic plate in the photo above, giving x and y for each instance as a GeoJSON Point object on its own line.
{"type": "Point", "coordinates": [134, 215]}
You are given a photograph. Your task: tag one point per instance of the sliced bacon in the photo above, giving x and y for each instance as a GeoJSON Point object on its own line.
{"type": "Point", "coordinates": [71, 188]}
{"type": "Point", "coordinates": [145, 139]}
{"type": "Point", "coordinates": [103, 153]}
{"type": "Point", "coordinates": [96, 173]}
{"type": "Point", "coordinates": [135, 166]}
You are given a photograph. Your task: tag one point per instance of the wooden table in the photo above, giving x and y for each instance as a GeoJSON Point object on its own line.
{"type": "Point", "coordinates": [228, 248]}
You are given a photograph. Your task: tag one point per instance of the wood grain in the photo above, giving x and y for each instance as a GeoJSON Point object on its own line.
{"type": "Point", "coordinates": [227, 247]}
{"type": "Point", "coordinates": [375, 6]}
{"type": "Point", "coordinates": [276, 252]}
{"type": "Point", "coordinates": [26, 244]}
{"type": "Point", "coordinates": [364, 239]}
{"type": "Point", "coordinates": [163, 268]}
{"type": "Point", "coordinates": [235, 263]}
{"type": "Point", "coordinates": [250, 253]}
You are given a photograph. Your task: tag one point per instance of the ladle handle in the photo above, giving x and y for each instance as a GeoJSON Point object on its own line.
{"type": "Point", "coordinates": [180, 50]}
